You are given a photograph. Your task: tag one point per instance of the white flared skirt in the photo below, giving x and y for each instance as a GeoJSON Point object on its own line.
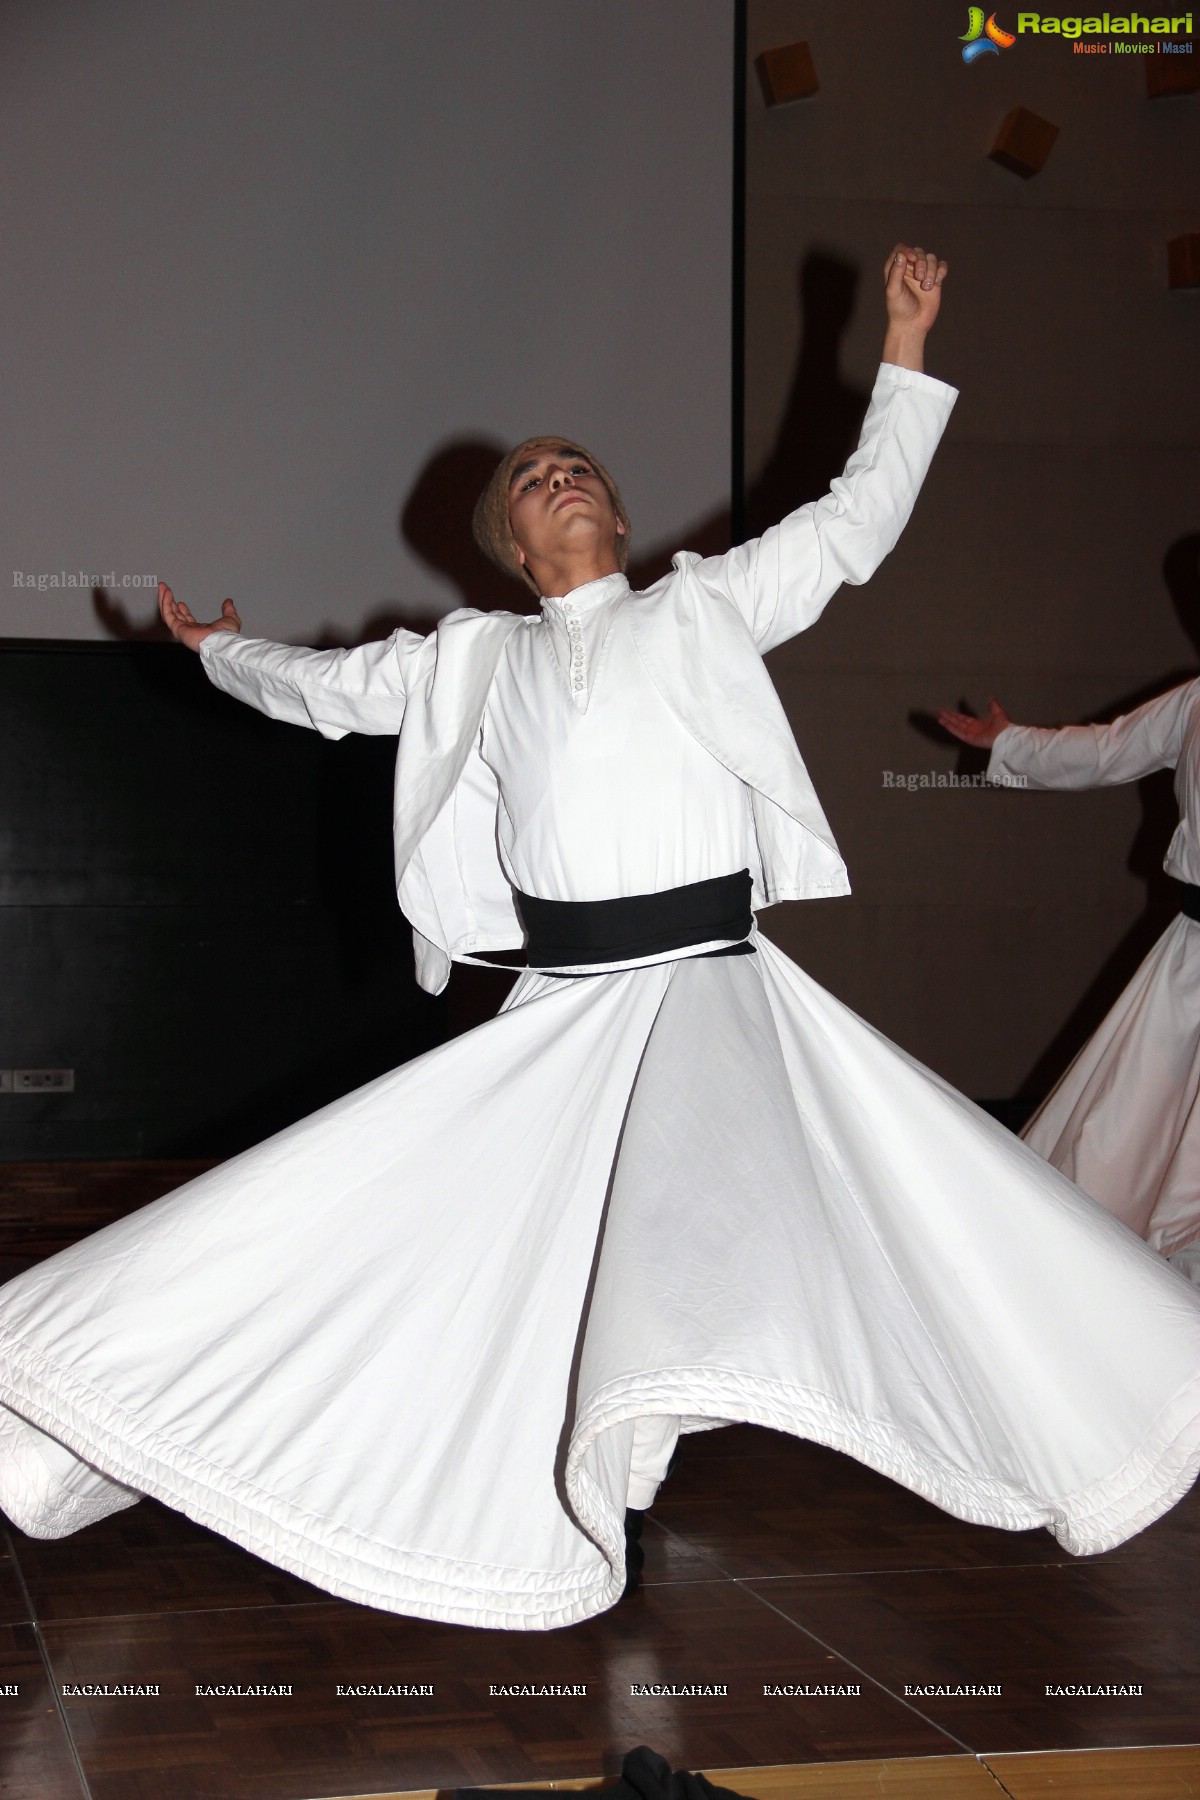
{"type": "Point", "coordinates": [1124, 1122]}
{"type": "Point", "coordinates": [401, 1348]}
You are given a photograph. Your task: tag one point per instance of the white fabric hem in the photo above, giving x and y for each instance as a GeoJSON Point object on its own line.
{"type": "Point", "coordinates": [1108, 1512]}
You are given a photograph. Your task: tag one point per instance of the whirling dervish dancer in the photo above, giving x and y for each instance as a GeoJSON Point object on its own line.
{"type": "Point", "coordinates": [426, 1347]}
{"type": "Point", "coordinates": [1123, 1121]}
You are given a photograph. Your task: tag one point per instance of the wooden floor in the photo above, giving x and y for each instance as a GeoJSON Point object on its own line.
{"type": "Point", "coordinates": [771, 1563]}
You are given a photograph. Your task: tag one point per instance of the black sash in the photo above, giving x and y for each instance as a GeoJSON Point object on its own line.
{"type": "Point", "coordinates": [1189, 904]}
{"type": "Point", "coordinates": [568, 934]}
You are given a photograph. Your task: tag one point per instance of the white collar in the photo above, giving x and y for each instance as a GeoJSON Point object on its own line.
{"type": "Point", "coordinates": [588, 596]}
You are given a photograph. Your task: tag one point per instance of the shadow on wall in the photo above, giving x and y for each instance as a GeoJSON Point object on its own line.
{"type": "Point", "coordinates": [820, 427]}
{"type": "Point", "coordinates": [435, 522]}
{"type": "Point", "coordinates": [112, 614]}
{"type": "Point", "coordinates": [823, 414]}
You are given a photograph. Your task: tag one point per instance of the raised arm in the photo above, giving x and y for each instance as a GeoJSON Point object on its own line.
{"type": "Point", "coordinates": [333, 691]}
{"type": "Point", "coordinates": [1081, 756]}
{"type": "Point", "coordinates": [782, 581]}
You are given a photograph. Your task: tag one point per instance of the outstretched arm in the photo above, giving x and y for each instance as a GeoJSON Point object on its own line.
{"type": "Point", "coordinates": [782, 581]}
{"type": "Point", "coordinates": [332, 691]}
{"type": "Point", "coordinates": [1081, 756]}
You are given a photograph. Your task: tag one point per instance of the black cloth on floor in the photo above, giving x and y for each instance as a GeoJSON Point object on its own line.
{"type": "Point", "coordinates": [645, 1775]}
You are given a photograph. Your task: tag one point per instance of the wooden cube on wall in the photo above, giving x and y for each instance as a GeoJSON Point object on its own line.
{"type": "Point", "coordinates": [787, 73]}
{"type": "Point", "coordinates": [1172, 72]}
{"type": "Point", "coordinates": [1023, 142]}
{"type": "Point", "coordinates": [1183, 261]}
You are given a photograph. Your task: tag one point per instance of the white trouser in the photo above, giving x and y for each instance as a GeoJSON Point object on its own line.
{"type": "Point", "coordinates": [654, 1439]}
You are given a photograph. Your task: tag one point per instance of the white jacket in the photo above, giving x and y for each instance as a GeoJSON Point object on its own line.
{"type": "Point", "coordinates": [701, 632]}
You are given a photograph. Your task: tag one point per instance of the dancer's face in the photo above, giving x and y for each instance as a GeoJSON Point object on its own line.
{"type": "Point", "coordinates": [558, 505]}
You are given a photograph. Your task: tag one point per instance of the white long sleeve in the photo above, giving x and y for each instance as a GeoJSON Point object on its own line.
{"type": "Point", "coordinates": [1163, 734]}
{"type": "Point", "coordinates": [782, 581]}
{"type": "Point", "coordinates": [1083, 756]}
{"type": "Point", "coordinates": [332, 691]}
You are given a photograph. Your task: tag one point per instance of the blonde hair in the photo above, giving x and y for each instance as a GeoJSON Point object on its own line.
{"type": "Point", "coordinates": [490, 524]}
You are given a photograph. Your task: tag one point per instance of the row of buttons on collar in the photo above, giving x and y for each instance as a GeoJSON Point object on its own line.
{"type": "Point", "coordinates": [574, 631]}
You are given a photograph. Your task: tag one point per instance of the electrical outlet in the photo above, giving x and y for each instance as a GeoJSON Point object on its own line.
{"type": "Point", "coordinates": [43, 1081]}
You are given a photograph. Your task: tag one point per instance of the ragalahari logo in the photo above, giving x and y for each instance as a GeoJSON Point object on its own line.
{"type": "Point", "coordinates": [983, 37]}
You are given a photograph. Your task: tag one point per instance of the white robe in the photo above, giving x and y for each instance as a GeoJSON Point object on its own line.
{"type": "Point", "coordinates": [1123, 1121]}
{"type": "Point", "coordinates": [402, 1348]}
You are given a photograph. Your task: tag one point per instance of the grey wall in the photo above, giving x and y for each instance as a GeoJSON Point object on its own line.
{"type": "Point", "coordinates": [282, 276]}
{"type": "Point", "coordinates": [1050, 561]}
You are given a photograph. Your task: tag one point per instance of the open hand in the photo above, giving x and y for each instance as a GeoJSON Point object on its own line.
{"type": "Point", "coordinates": [981, 734]}
{"type": "Point", "coordinates": [913, 283]}
{"type": "Point", "coordinates": [182, 624]}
